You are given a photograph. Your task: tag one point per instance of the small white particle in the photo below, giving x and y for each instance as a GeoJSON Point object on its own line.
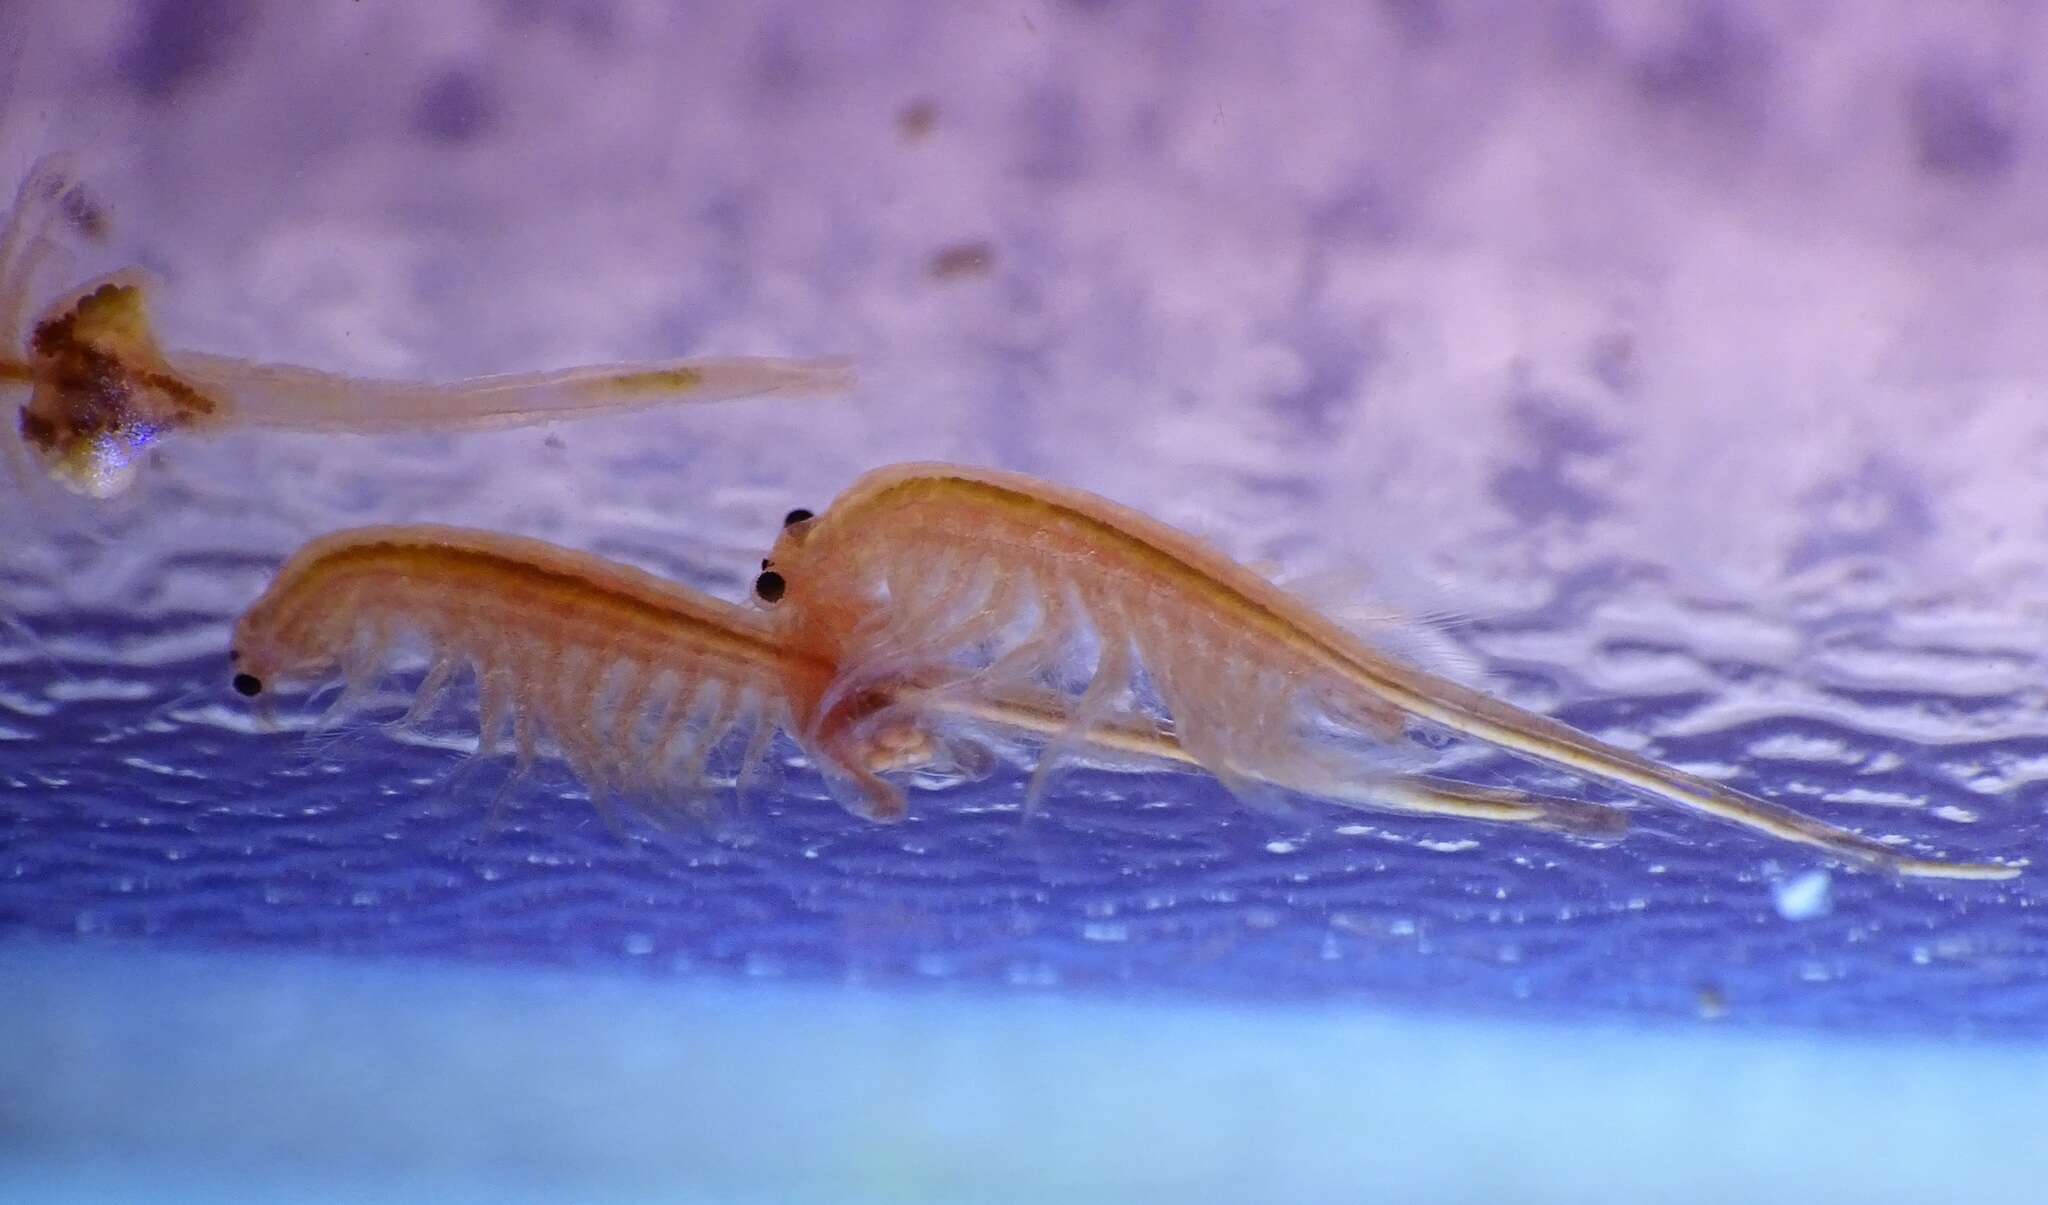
{"type": "Point", "coordinates": [1803, 897]}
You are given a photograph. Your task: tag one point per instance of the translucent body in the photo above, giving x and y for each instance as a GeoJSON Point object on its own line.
{"type": "Point", "coordinates": [638, 680]}
{"type": "Point", "coordinates": [101, 391]}
{"type": "Point", "coordinates": [989, 576]}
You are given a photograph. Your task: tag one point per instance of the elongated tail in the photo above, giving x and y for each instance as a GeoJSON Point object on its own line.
{"type": "Point", "coordinates": [289, 397]}
{"type": "Point", "coordinates": [1543, 739]}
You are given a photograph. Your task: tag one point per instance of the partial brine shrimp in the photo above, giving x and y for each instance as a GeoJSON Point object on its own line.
{"type": "Point", "coordinates": [636, 679]}
{"type": "Point", "coordinates": [991, 576]}
{"type": "Point", "coordinates": [102, 392]}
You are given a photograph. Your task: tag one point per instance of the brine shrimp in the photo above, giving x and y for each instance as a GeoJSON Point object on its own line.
{"type": "Point", "coordinates": [638, 680]}
{"type": "Point", "coordinates": [996, 577]}
{"type": "Point", "coordinates": [102, 391]}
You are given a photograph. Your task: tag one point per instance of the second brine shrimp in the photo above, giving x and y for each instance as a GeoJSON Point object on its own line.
{"type": "Point", "coordinates": [638, 680]}
{"type": "Point", "coordinates": [102, 391]}
{"type": "Point", "coordinates": [994, 577]}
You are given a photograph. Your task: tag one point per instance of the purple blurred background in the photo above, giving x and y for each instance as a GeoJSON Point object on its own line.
{"type": "Point", "coordinates": [1690, 350]}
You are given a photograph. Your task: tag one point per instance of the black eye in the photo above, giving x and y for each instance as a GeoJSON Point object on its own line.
{"type": "Point", "coordinates": [796, 516]}
{"type": "Point", "coordinates": [248, 685]}
{"type": "Point", "coordinates": [770, 586]}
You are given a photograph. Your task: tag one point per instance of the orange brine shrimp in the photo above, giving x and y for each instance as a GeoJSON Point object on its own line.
{"type": "Point", "coordinates": [102, 391]}
{"type": "Point", "coordinates": [994, 577]}
{"type": "Point", "coordinates": [638, 680]}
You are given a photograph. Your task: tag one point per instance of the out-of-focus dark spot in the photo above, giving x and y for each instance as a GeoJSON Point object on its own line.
{"type": "Point", "coordinates": [781, 72]}
{"type": "Point", "coordinates": [1053, 137]}
{"type": "Point", "coordinates": [961, 261]}
{"type": "Point", "coordinates": [176, 42]}
{"type": "Point", "coordinates": [1615, 362]}
{"type": "Point", "coordinates": [1420, 23]}
{"type": "Point", "coordinates": [1547, 483]}
{"type": "Point", "coordinates": [1716, 64]}
{"type": "Point", "coordinates": [917, 119]}
{"type": "Point", "coordinates": [1955, 131]}
{"type": "Point", "coordinates": [457, 107]}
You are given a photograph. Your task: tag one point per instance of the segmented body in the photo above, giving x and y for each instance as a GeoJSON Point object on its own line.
{"type": "Point", "coordinates": [986, 575]}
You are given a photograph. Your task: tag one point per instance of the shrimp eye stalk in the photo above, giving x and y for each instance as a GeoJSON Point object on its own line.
{"type": "Point", "coordinates": [248, 685]}
{"type": "Point", "coordinates": [769, 587]}
{"type": "Point", "coordinates": [797, 516]}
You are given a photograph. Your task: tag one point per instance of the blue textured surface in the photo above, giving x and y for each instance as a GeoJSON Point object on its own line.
{"type": "Point", "coordinates": [1691, 350]}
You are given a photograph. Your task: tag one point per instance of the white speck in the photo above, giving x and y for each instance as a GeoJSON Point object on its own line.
{"type": "Point", "coordinates": [1449, 847]}
{"type": "Point", "coordinates": [1803, 897]}
{"type": "Point", "coordinates": [1281, 847]}
{"type": "Point", "coordinates": [639, 944]}
{"type": "Point", "coordinates": [1949, 811]}
{"type": "Point", "coordinates": [1104, 931]}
